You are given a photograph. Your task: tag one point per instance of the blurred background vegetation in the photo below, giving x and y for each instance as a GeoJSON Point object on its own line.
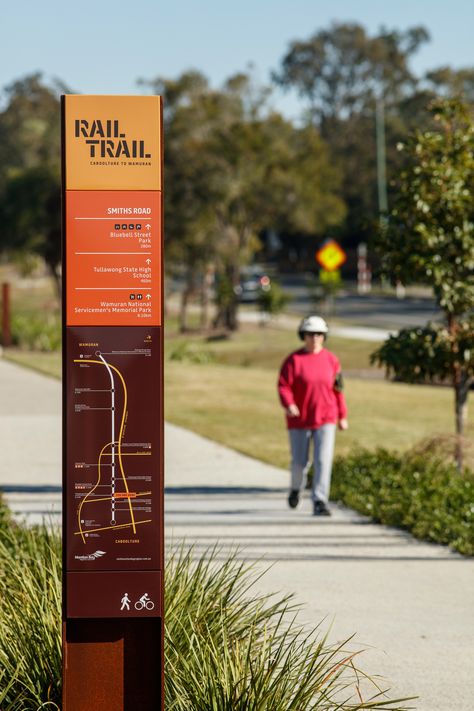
{"type": "Point", "coordinates": [244, 184]}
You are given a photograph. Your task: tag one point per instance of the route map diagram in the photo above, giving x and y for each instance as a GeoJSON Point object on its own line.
{"type": "Point", "coordinates": [113, 503]}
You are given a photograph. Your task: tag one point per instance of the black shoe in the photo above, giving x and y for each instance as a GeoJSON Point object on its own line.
{"type": "Point", "coordinates": [320, 509]}
{"type": "Point", "coordinates": [293, 499]}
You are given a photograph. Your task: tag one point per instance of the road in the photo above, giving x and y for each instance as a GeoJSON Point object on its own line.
{"type": "Point", "coordinates": [386, 312]}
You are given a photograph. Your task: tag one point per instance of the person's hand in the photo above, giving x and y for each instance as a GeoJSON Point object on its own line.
{"type": "Point", "coordinates": [293, 410]}
{"type": "Point", "coordinates": [343, 424]}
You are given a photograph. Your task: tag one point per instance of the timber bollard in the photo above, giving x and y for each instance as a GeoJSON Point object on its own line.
{"type": "Point", "coordinates": [6, 316]}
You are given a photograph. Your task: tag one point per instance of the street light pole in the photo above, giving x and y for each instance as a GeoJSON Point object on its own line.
{"type": "Point", "coordinates": [381, 157]}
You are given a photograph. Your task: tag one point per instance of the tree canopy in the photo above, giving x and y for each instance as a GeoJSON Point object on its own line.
{"type": "Point", "coordinates": [30, 159]}
{"type": "Point", "coordinates": [429, 238]}
{"type": "Point", "coordinates": [341, 69]}
{"type": "Point", "coordinates": [236, 168]}
{"type": "Point", "coordinates": [340, 73]}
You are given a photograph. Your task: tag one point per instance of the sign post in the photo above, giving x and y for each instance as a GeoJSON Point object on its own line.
{"type": "Point", "coordinates": [113, 557]}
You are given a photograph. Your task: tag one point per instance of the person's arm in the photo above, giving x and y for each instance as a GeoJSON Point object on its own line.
{"type": "Point", "coordinates": [285, 382]}
{"type": "Point", "coordinates": [340, 400]}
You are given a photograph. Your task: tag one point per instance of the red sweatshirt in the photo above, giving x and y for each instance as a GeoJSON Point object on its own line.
{"type": "Point", "coordinates": [307, 380]}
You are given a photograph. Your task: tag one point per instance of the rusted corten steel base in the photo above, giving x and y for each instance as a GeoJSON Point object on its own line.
{"type": "Point", "coordinates": [111, 665]}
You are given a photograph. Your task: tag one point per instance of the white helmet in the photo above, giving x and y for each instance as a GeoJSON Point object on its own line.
{"type": "Point", "coordinates": [312, 324]}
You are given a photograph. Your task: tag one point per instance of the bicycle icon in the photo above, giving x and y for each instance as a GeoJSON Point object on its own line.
{"type": "Point", "coordinates": [148, 604]}
{"type": "Point", "coordinates": [145, 602]}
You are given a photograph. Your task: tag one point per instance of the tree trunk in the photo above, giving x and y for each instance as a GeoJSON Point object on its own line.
{"type": "Point", "coordinates": [233, 271]}
{"type": "Point", "coordinates": [56, 274]}
{"type": "Point", "coordinates": [206, 291]}
{"type": "Point", "coordinates": [229, 301]}
{"type": "Point", "coordinates": [461, 390]}
{"type": "Point", "coordinates": [461, 382]}
{"type": "Point", "coordinates": [185, 296]}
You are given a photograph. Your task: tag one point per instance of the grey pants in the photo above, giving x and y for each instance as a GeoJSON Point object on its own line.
{"type": "Point", "coordinates": [323, 441]}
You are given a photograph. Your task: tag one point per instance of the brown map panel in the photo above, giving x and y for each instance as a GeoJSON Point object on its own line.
{"type": "Point", "coordinates": [113, 448]}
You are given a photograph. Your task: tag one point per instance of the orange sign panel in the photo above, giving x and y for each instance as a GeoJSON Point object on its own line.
{"type": "Point", "coordinates": [331, 256]}
{"type": "Point", "coordinates": [113, 142]}
{"type": "Point", "coordinates": [113, 258]}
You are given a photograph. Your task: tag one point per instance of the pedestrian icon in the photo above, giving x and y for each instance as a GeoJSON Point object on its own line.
{"type": "Point", "coordinates": [125, 602]}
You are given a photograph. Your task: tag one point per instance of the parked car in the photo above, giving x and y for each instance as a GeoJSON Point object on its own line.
{"type": "Point", "coordinates": [253, 280]}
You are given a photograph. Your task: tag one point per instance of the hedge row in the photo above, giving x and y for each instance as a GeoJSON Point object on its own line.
{"type": "Point", "coordinates": [419, 493]}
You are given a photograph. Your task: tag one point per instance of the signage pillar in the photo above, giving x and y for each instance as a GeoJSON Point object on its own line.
{"type": "Point", "coordinates": [113, 533]}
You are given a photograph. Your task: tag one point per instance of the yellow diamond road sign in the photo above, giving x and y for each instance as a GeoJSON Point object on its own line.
{"type": "Point", "coordinates": [331, 256]}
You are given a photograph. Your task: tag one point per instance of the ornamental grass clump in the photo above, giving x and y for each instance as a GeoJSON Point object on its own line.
{"type": "Point", "coordinates": [30, 616]}
{"type": "Point", "coordinates": [226, 648]}
{"type": "Point", "coordinates": [229, 649]}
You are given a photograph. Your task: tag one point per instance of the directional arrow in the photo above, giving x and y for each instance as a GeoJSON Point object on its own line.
{"type": "Point", "coordinates": [148, 261]}
{"type": "Point", "coordinates": [148, 296]}
{"type": "Point", "coordinates": [148, 227]}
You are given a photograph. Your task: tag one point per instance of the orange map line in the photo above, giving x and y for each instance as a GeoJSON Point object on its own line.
{"type": "Point", "coordinates": [118, 496]}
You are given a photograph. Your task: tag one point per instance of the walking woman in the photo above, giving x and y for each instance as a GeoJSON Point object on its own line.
{"type": "Point", "coordinates": [310, 388]}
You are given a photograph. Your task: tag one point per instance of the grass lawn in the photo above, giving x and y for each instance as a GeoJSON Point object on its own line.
{"type": "Point", "coordinates": [46, 363]}
{"type": "Point", "coordinates": [231, 397]}
{"type": "Point", "coordinates": [239, 408]}
{"type": "Point", "coordinates": [254, 346]}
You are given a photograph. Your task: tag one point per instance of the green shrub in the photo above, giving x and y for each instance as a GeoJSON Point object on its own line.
{"type": "Point", "coordinates": [272, 300]}
{"type": "Point", "coordinates": [37, 333]}
{"type": "Point", "coordinates": [185, 353]}
{"type": "Point", "coordinates": [226, 649]}
{"type": "Point", "coordinates": [415, 491]}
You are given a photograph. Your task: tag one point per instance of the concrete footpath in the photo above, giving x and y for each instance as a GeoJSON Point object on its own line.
{"type": "Point", "coordinates": [409, 603]}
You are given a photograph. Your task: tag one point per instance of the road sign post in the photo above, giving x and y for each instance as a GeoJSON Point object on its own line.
{"type": "Point", "coordinates": [113, 557]}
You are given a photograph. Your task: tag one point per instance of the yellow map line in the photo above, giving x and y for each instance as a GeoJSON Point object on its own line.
{"type": "Point", "coordinates": [122, 425]}
{"type": "Point", "coordinates": [107, 528]}
{"type": "Point", "coordinates": [109, 498]}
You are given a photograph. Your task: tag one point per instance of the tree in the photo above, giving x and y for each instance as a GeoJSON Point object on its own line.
{"type": "Point", "coordinates": [235, 168]}
{"type": "Point", "coordinates": [449, 83]}
{"type": "Point", "coordinates": [30, 212]}
{"type": "Point", "coordinates": [429, 238]}
{"type": "Point", "coordinates": [30, 125]}
{"type": "Point", "coordinates": [191, 112]}
{"type": "Point", "coordinates": [30, 159]}
{"type": "Point", "coordinates": [271, 175]}
{"type": "Point", "coordinates": [341, 72]}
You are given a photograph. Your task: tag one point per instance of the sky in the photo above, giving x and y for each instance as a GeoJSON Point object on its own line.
{"type": "Point", "coordinates": [103, 47]}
